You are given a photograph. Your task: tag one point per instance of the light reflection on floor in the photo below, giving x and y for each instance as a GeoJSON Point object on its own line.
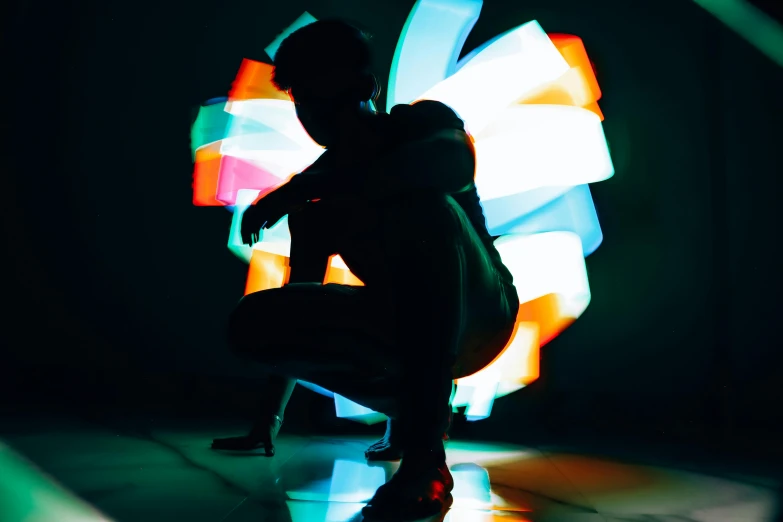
{"type": "Point", "coordinates": [353, 483]}
{"type": "Point", "coordinates": [166, 472]}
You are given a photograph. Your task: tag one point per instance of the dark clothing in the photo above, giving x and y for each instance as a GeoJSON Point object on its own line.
{"type": "Point", "coordinates": [410, 122]}
{"type": "Point", "coordinates": [470, 203]}
{"type": "Point", "coordinates": [407, 123]}
{"type": "Point", "coordinates": [437, 304]}
{"type": "Point", "coordinates": [433, 309]}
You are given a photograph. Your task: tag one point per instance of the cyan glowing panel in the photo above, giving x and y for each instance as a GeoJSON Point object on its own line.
{"type": "Point", "coordinates": [347, 409]}
{"type": "Point", "coordinates": [500, 211]}
{"type": "Point", "coordinates": [573, 211]}
{"type": "Point", "coordinates": [472, 489]}
{"type": "Point", "coordinates": [210, 125]}
{"type": "Point", "coordinates": [439, 27]}
{"type": "Point", "coordinates": [317, 389]}
{"type": "Point", "coordinates": [305, 19]}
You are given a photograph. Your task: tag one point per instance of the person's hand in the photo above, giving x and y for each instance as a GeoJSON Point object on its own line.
{"type": "Point", "coordinates": [261, 436]}
{"type": "Point", "coordinates": [264, 214]}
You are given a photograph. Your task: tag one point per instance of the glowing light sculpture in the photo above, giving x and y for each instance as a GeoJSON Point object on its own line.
{"type": "Point", "coordinates": [530, 102]}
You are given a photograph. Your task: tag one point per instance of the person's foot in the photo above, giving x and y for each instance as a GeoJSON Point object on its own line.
{"type": "Point", "coordinates": [389, 448]}
{"type": "Point", "coordinates": [262, 436]}
{"type": "Point", "coordinates": [414, 492]}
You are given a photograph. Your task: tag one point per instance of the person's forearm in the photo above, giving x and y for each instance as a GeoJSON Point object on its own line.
{"type": "Point", "coordinates": [308, 186]}
{"type": "Point", "coordinates": [444, 164]}
{"type": "Point", "coordinates": [294, 193]}
{"type": "Point", "coordinates": [366, 183]}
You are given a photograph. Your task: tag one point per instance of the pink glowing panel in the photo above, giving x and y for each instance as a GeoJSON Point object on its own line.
{"type": "Point", "coordinates": [237, 174]}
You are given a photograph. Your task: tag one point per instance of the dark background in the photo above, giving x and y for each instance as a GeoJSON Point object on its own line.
{"type": "Point", "coordinates": [116, 288]}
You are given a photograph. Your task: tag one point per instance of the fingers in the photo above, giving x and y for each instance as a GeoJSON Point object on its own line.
{"type": "Point", "coordinates": [249, 238]}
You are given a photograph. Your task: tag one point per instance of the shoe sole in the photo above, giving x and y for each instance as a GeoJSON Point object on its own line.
{"type": "Point", "coordinates": [370, 513]}
{"type": "Point", "coordinates": [260, 452]}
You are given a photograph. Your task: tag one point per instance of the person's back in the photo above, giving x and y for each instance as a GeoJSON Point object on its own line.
{"type": "Point", "coordinates": [405, 124]}
{"type": "Point", "coordinates": [416, 121]}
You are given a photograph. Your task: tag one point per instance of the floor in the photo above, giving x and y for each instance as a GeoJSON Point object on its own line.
{"type": "Point", "coordinates": [165, 472]}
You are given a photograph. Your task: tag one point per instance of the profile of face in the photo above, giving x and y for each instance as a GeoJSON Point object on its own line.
{"type": "Point", "coordinates": [321, 103]}
{"type": "Point", "coordinates": [319, 115]}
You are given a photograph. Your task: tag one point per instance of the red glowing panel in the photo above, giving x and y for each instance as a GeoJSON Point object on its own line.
{"type": "Point", "coordinates": [254, 81]}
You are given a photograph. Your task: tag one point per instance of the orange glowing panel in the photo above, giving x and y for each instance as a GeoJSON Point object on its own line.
{"type": "Point", "coordinates": [337, 273]}
{"type": "Point", "coordinates": [521, 356]}
{"type": "Point", "coordinates": [268, 270]}
{"type": "Point", "coordinates": [254, 81]}
{"type": "Point", "coordinates": [577, 87]}
{"type": "Point", "coordinates": [573, 51]}
{"type": "Point", "coordinates": [547, 313]}
{"type": "Point", "coordinates": [538, 322]}
{"type": "Point", "coordinates": [206, 173]}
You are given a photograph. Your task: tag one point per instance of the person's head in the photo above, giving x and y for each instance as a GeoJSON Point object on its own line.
{"type": "Point", "coordinates": [325, 68]}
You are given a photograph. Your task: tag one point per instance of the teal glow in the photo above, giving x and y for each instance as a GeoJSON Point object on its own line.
{"type": "Point", "coordinates": [305, 19]}
{"type": "Point", "coordinates": [481, 401]}
{"type": "Point", "coordinates": [755, 26]}
{"type": "Point", "coordinates": [347, 409]}
{"type": "Point", "coordinates": [210, 126]}
{"type": "Point", "coordinates": [27, 494]}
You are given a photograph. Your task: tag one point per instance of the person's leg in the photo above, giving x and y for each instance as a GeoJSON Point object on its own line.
{"type": "Point", "coordinates": [389, 447]}
{"type": "Point", "coordinates": [269, 417]}
{"type": "Point", "coordinates": [335, 336]}
{"type": "Point", "coordinates": [311, 247]}
{"type": "Point", "coordinates": [450, 299]}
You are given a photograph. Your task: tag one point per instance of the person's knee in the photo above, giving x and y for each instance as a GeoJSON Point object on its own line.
{"type": "Point", "coordinates": [237, 331]}
{"type": "Point", "coordinates": [309, 220]}
{"type": "Point", "coordinates": [243, 325]}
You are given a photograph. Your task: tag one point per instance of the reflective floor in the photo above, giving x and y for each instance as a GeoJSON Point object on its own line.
{"type": "Point", "coordinates": [169, 474]}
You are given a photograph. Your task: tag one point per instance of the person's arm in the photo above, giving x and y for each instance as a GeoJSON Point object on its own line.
{"type": "Point", "coordinates": [443, 162]}
{"type": "Point", "coordinates": [297, 191]}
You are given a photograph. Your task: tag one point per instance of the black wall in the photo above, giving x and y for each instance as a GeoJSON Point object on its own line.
{"type": "Point", "coordinates": [115, 284]}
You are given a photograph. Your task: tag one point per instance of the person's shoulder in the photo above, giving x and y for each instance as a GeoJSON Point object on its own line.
{"type": "Point", "coordinates": [324, 161]}
{"type": "Point", "coordinates": [427, 115]}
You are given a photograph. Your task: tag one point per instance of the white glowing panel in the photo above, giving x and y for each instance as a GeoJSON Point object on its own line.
{"type": "Point", "coordinates": [534, 146]}
{"type": "Point", "coordinates": [501, 74]}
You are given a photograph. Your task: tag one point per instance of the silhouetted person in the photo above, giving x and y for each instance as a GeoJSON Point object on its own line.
{"type": "Point", "coordinates": [394, 196]}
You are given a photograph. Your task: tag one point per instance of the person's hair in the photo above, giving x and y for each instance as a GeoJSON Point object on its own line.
{"type": "Point", "coordinates": [320, 47]}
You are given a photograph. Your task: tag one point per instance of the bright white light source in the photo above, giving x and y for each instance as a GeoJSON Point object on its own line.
{"type": "Point", "coordinates": [533, 146]}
